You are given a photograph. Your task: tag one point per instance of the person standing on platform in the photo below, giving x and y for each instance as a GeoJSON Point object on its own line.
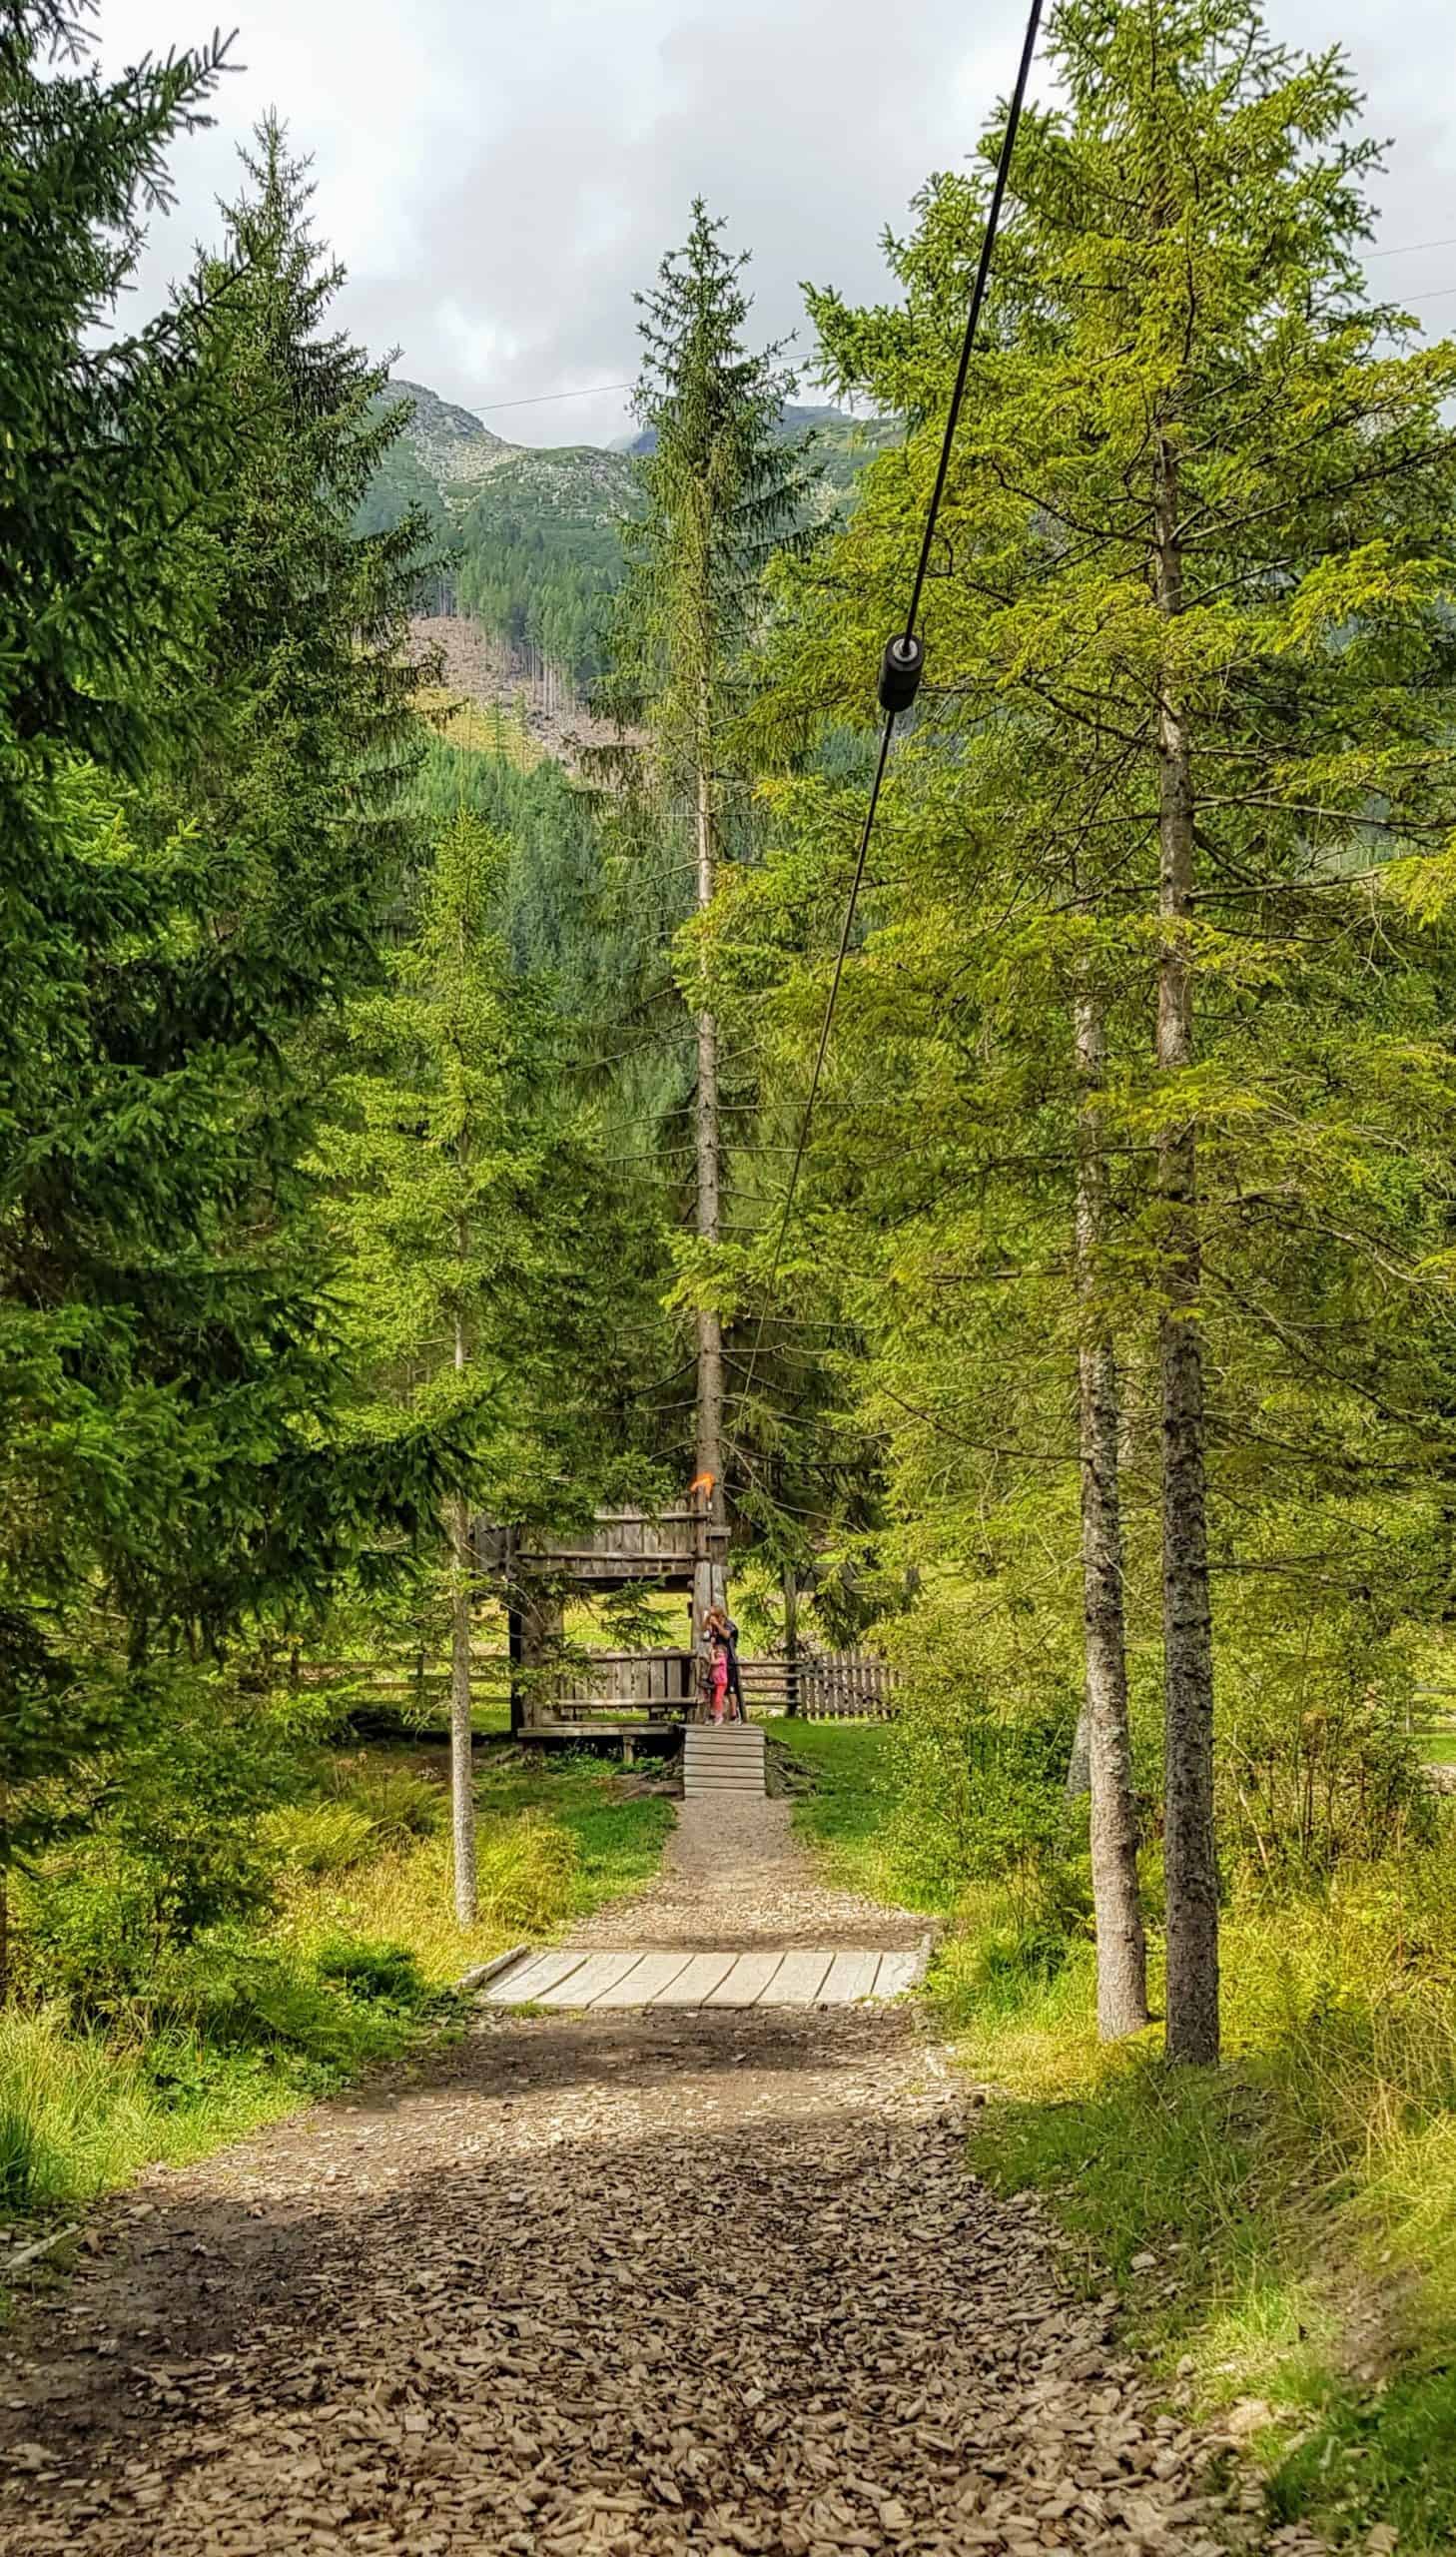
{"type": "Point", "coordinates": [722, 1635]}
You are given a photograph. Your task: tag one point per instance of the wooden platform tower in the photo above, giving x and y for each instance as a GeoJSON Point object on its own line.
{"type": "Point", "coordinates": [624, 1695]}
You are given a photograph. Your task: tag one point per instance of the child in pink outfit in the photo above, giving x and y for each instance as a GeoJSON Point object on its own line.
{"type": "Point", "coordinates": [718, 1690]}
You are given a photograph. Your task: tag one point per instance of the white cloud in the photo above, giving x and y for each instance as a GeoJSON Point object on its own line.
{"type": "Point", "coordinates": [498, 179]}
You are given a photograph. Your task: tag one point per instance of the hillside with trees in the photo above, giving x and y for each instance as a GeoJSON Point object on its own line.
{"type": "Point", "coordinates": [530, 540]}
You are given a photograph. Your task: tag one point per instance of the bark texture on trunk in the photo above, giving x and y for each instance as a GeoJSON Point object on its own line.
{"type": "Point", "coordinates": [462, 1776]}
{"type": "Point", "coordinates": [462, 1770]}
{"type": "Point", "coordinates": [709, 1388]}
{"type": "Point", "coordinates": [1122, 1943]}
{"type": "Point", "coordinates": [1189, 1852]}
{"type": "Point", "coordinates": [709, 1427]}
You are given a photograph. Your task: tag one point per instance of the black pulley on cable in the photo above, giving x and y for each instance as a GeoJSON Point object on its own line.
{"type": "Point", "coordinates": [901, 670]}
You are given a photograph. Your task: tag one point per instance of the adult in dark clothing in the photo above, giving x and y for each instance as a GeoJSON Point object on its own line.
{"type": "Point", "coordinates": [723, 1633]}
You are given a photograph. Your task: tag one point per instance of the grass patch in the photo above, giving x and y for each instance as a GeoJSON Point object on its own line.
{"type": "Point", "coordinates": [1299, 2204]}
{"type": "Point", "coordinates": [845, 1817]}
{"type": "Point", "coordinates": [354, 1967]}
{"type": "Point", "coordinates": [254, 2031]}
{"type": "Point", "coordinates": [852, 1791]}
{"type": "Point", "coordinates": [1393, 2457]}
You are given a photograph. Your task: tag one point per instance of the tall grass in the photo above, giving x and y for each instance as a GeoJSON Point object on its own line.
{"type": "Point", "coordinates": [355, 1963]}
{"type": "Point", "coordinates": [1298, 2206]}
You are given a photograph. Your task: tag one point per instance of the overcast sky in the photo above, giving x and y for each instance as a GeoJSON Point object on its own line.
{"type": "Point", "coordinates": [498, 177]}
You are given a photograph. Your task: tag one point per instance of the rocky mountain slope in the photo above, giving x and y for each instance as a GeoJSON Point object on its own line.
{"type": "Point", "coordinates": [529, 537]}
{"type": "Point", "coordinates": [459, 453]}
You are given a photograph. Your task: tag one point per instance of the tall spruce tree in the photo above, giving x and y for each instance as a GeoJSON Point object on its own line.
{"type": "Point", "coordinates": [296, 800]}
{"type": "Point", "coordinates": [724, 490]}
{"type": "Point", "coordinates": [310, 663]}
{"type": "Point", "coordinates": [201, 678]}
{"type": "Point", "coordinates": [109, 445]}
{"type": "Point", "coordinates": [490, 1274]}
{"type": "Point", "coordinates": [1191, 653]}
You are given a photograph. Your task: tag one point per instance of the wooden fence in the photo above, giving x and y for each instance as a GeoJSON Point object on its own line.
{"type": "Point", "coordinates": [823, 1686]}
{"type": "Point", "coordinates": [658, 1686]}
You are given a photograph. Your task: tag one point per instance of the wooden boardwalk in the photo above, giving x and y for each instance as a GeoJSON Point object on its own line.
{"type": "Point", "coordinates": [796, 1977]}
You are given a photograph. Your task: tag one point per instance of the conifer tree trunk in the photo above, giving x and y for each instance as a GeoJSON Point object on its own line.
{"type": "Point", "coordinates": [463, 1796]}
{"type": "Point", "coordinates": [462, 1772]}
{"type": "Point", "coordinates": [1121, 1944]}
{"type": "Point", "coordinates": [1190, 1857]}
{"type": "Point", "coordinates": [709, 1429]}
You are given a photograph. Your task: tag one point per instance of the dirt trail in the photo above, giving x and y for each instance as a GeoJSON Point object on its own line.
{"type": "Point", "coordinates": [633, 2284]}
{"type": "Point", "coordinates": [735, 1876]}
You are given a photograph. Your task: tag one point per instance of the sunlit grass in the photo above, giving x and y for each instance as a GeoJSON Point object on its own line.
{"type": "Point", "coordinates": [356, 1968]}
{"type": "Point", "coordinates": [1299, 2204]}
{"type": "Point", "coordinates": [844, 1817]}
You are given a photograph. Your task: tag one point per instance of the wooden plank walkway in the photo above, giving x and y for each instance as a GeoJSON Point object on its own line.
{"type": "Point", "coordinates": [692, 1987]}
{"type": "Point", "coordinates": [798, 1980]}
{"type": "Point", "coordinates": [648, 1977]}
{"type": "Point", "coordinates": [576, 1984]}
{"type": "Point", "coordinates": [818, 1976]}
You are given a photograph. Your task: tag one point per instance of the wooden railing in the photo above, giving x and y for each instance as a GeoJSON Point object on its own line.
{"type": "Point", "coordinates": [834, 1686]}
{"type": "Point", "coordinates": [661, 1686]}
{"type": "Point", "coordinates": [654, 1686]}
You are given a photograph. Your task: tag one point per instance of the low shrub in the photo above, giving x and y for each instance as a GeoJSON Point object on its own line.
{"type": "Point", "coordinates": [320, 1837]}
{"type": "Point", "coordinates": [1315, 1764]}
{"type": "Point", "coordinates": [140, 2031]}
{"type": "Point", "coordinates": [400, 1804]}
{"type": "Point", "coordinates": [232, 2034]}
{"type": "Point", "coordinates": [382, 1974]}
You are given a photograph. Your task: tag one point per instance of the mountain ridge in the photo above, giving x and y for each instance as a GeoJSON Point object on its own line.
{"type": "Point", "coordinates": [531, 535]}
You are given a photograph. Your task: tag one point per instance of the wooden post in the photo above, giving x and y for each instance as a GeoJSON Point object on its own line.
{"type": "Point", "coordinates": [514, 1648]}
{"type": "Point", "coordinates": [710, 1578]}
{"type": "Point", "coordinates": [791, 1640]}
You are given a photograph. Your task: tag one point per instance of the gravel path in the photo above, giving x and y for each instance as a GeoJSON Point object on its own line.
{"type": "Point", "coordinates": [635, 2285]}
{"type": "Point", "coordinates": [735, 1876]}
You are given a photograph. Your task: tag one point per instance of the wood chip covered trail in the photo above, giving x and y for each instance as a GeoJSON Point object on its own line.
{"type": "Point", "coordinates": [629, 2282]}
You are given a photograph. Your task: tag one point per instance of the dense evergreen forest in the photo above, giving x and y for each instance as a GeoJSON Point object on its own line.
{"type": "Point", "coordinates": [397, 1132]}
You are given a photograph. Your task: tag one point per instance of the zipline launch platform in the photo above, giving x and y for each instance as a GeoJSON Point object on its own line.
{"type": "Point", "coordinates": [556, 1693]}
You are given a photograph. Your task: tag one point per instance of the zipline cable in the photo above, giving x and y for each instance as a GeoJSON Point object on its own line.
{"type": "Point", "coordinates": [903, 664]}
